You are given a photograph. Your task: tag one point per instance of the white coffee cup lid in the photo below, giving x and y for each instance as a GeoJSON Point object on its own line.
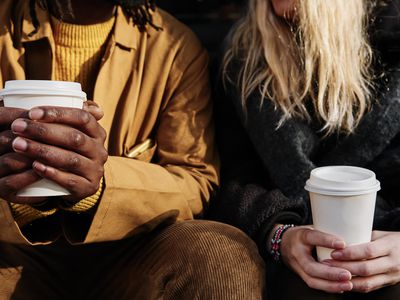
{"type": "Point", "coordinates": [42, 87]}
{"type": "Point", "coordinates": [342, 181]}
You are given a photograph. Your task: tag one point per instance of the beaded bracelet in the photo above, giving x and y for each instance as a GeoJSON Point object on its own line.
{"type": "Point", "coordinates": [276, 241]}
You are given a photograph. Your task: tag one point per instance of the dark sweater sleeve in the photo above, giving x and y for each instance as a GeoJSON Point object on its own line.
{"type": "Point", "coordinates": [387, 169]}
{"type": "Point", "coordinates": [249, 197]}
{"type": "Point", "coordinates": [285, 149]}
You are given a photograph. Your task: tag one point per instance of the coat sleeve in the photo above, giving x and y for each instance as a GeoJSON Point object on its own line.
{"type": "Point", "coordinates": [138, 195]}
{"type": "Point", "coordinates": [387, 169]}
{"type": "Point", "coordinates": [250, 197]}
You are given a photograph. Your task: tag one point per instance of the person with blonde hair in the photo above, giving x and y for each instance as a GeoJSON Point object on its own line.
{"type": "Point", "coordinates": [139, 162]}
{"type": "Point", "coordinates": [306, 84]}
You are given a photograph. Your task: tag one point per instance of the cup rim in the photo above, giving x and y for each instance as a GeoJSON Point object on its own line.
{"type": "Point", "coordinates": [331, 192]}
{"type": "Point", "coordinates": [321, 184]}
{"type": "Point", "coordinates": [42, 87]}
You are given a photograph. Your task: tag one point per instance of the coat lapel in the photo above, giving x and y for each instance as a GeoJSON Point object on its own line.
{"type": "Point", "coordinates": [39, 47]}
{"type": "Point", "coordinates": [116, 72]}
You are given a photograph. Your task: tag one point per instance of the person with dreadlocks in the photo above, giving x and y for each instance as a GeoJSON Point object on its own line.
{"type": "Point", "coordinates": [127, 229]}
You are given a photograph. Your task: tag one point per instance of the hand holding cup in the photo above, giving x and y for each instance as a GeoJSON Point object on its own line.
{"type": "Point", "coordinates": [60, 140]}
{"type": "Point", "coordinates": [67, 146]}
{"type": "Point", "coordinates": [15, 169]}
{"type": "Point", "coordinates": [343, 203]}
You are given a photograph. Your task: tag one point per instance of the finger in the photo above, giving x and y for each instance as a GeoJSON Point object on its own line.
{"type": "Point", "coordinates": [12, 163]}
{"type": "Point", "coordinates": [363, 251]}
{"type": "Point", "coordinates": [366, 268]}
{"type": "Point", "coordinates": [323, 271]}
{"type": "Point", "coordinates": [76, 185]}
{"type": "Point", "coordinates": [8, 115]}
{"type": "Point", "coordinates": [6, 138]}
{"type": "Point", "coordinates": [326, 285]}
{"type": "Point", "coordinates": [378, 234]}
{"type": "Point", "coordinates": [56, 157]}
{"type": "Point", "coordinates": [94, 109]}
{"type": "Point", "coordinates": [372, 283]}
{"type": "Point", "coordinates": [10, 185]}
{"type": "Point", "coordinates": [318, 238]}
{"type": "Point", "coordinates": [74, 117]}
{"type": "Point", "coordinates": [55, 134]}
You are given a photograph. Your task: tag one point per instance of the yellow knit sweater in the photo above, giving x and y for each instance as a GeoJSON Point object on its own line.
{"type": "Point", "coordinates": [78, 52]}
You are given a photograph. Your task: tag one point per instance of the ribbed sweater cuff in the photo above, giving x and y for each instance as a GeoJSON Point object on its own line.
{"type": "Point", "coordinates": [85, 204]}
{"type": "Point", "coordinates": [25, 214]}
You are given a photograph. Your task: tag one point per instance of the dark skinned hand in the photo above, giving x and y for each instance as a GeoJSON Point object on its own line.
{"type": "Point", "coordinates": [15, 169]}
{"type": "Point", "coordinates": [65, 145]}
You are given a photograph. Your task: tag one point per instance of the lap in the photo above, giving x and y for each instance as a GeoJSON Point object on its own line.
{"type": "Point", "coordinates": [182, 255]}
{"type": "Point", "coordinates": [283, 284]}
{"type": "Point", "coordinates": [193, 260]}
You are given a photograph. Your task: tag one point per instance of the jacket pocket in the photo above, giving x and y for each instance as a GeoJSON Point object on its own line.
{"type": "Point", "coordinates": [143, 151]}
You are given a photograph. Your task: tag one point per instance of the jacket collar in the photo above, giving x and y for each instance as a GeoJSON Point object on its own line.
{"type": "Point", "coordinates": [124, 32]}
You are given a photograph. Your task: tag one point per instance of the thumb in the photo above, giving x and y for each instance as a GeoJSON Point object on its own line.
{"type": "Point", "coordinates": [94, 109]}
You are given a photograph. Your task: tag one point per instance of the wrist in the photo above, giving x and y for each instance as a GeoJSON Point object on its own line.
{"type": "Point", "coordinates": [275, 240]}
{"type": "Point", "coordinates": [271, 236]}
{"type": "Point", "coordinates": [84, 205]}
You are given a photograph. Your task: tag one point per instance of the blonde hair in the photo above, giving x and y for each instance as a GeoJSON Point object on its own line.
{"type": "Point", "coordinates": [324, 57]}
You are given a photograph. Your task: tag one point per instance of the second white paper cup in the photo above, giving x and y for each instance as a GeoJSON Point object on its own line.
{"type": "Point", "coordinates": [343, 203]}
{"type": "Point", "coordinates": [27, 94]}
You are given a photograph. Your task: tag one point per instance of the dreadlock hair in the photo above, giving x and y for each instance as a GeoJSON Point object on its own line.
{"type": "Point", "coordinates": [139, 10]}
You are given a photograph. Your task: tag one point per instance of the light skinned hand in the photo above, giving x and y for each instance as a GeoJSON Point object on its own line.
{"type": "Point", "coordinates": [67, 146]}
{"type": "Point", "coordinates": [376, 264]}
{"type": "Point", "coordinates": [296, 249]}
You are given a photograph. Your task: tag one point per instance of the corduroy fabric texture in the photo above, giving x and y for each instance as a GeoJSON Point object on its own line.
{"type": "Point", "coordinates": [186, 260]}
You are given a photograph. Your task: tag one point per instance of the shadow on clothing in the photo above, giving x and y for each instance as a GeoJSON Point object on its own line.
{"type": "Point", "coordinates": [283, 284]}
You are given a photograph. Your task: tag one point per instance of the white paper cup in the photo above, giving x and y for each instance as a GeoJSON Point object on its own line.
{"type": "Point", "coordinates": [343, 203]}
{"type": "Point", "coordinates": [27, 94]}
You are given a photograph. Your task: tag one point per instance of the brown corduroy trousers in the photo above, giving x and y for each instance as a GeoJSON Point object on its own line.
{"type": "Point", "coordinates": [188, 260]}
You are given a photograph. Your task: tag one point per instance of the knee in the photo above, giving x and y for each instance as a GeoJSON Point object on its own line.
{"type": "Point", "coordinates": [217, 244]}
{"type": "Point", "coordinates": [221, 259]}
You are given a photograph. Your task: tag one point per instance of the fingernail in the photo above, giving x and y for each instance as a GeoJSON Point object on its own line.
{"type": "Point", "coordinates": [18, 126]}
{"type": "Point", "coordinates": [36, 113]}
{"type": "Point", "coordinates": [345, 286]}
{"type": "Point", "coordinates": [19, 144]}
{"type": "Point", "coordinates": [337, 254]}
{"type": "Point", "coordinates": [344, 276]}
{"type": "Point", "coordinates": [338, 244]}
{"type": "Point", "coordinates": [96, 109]}
{"type": "Point", "coordinates": [39, 167]}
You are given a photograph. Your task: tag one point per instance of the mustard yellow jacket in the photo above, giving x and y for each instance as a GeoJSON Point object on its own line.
{"type": "Point", "coordinates": [151, 85]}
